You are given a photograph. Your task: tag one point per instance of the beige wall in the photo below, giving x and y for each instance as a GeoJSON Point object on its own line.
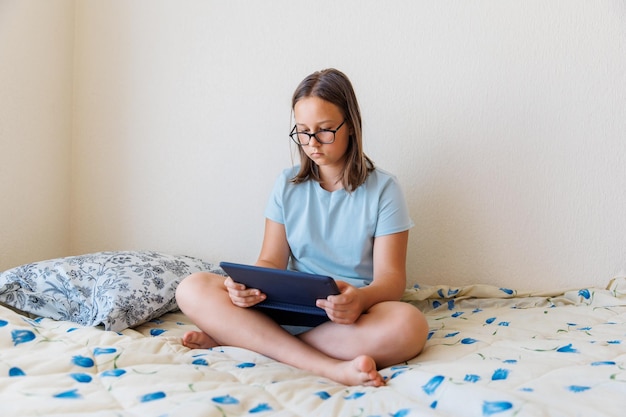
{"type": "Point", "coordinates": [36, 44]}
{"type": "Point", "coordinates": [504, 121]}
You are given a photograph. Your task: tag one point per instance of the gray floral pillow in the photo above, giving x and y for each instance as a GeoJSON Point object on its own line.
{"type": "Point", "coordinates": [116, 289]}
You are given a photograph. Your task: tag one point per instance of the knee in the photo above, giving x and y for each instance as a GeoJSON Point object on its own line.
{"type": "Point", "coordinates": [192, 287]}
{"type": "Point", "coordinates": [185, 289]}
{"type": "Point", "coordinates": [413, 326]}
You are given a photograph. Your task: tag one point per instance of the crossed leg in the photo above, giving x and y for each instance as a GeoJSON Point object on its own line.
{"type": "Point", "coordinates": [387, 334]}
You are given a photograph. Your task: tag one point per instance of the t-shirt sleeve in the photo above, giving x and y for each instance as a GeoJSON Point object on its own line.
{"type": "Point", "coordinates": [393, 213]}
{"type": "Point", "coordinates": [274, 208]}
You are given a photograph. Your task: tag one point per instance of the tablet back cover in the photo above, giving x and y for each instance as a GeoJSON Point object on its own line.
{"type": "Point", "coordinates": [291, 295]}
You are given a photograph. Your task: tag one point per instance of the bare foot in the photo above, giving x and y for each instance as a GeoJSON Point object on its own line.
{"type": "Point", "coordinates": [359, 371]}
{"type": "Point", "coordinates": [198, 340]}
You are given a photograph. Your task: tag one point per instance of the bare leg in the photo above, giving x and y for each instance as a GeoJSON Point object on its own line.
{"type": "Point", "coordinates": [204, 299]}
{"type": "Point", "coordinates": [391, 332]}
{"type": "Point", "coordinates": [390, 346]}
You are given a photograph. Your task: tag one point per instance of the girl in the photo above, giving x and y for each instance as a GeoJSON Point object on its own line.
{"type": "Point", "coordinates": [335, 215]}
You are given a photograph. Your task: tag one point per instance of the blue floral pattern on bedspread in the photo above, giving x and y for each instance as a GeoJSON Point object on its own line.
{"type": "Point", "coordinates": [491, 352]}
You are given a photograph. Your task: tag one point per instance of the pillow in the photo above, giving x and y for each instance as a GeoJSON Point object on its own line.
{"type": "Point", "coordinates": [116, 289]}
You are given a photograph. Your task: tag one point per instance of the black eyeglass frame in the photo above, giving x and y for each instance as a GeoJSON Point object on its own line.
{"type": "Point", "coordinates": [294, 135]}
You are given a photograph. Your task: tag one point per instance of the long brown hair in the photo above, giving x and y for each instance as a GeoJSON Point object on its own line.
{"type": "Point", "coordinates": [333, 86]}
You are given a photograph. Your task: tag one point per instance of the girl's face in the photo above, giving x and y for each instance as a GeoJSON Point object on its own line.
{"type": "Point", "coordinates": [312, 114]}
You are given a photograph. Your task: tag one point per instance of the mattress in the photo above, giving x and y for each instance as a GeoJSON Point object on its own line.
{"type": "Point", "coordinates": [491, 352]}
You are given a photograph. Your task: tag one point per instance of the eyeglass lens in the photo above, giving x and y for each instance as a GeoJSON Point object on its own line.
{"type": "Point", "coordinates": [322, 137]}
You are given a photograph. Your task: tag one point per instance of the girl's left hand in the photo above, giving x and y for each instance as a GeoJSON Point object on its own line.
{"type": "Point", "coordinates": [344, 308]}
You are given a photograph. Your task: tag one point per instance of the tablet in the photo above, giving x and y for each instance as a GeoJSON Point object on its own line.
{"type": "Point", "coordinates": [291, 295]}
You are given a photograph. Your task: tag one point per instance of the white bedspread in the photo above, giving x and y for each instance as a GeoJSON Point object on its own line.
{"type": "Point", "coordinates": [491, 352]}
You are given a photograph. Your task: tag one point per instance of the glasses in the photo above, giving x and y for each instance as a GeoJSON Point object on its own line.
{"type": "Point", "coordinates": [323, 136]}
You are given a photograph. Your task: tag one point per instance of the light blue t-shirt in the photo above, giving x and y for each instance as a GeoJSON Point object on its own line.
{"type": "Point", "coordinates": [332, 233]}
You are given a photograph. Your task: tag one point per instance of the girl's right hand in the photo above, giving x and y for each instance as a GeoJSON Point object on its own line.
{"type": "Point", "coordinates": [242, 296]}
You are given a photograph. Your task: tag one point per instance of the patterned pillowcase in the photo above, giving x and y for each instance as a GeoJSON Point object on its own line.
{"type": "Point", "coordinates": [117, 289]}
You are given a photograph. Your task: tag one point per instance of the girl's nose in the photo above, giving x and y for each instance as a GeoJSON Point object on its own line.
{"type": "Point", "coordinates": [313, 139]}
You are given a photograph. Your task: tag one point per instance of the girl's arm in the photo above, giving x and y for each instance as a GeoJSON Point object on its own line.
{"type": "Point", "coordinates": [275, 249]}
{"type": "Point", "coordinates": [389, 270]}
{"type": "Point", "coordinates": [274, 254]}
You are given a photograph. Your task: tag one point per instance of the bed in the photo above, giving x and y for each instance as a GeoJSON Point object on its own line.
{"type": "Point", "coordinates": [491, 351]}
